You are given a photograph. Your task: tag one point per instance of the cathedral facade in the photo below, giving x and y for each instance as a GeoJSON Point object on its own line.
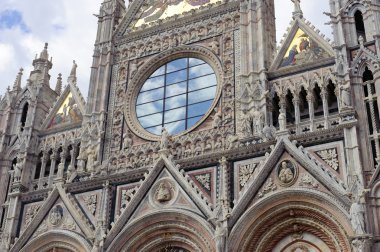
{"type": "Point", "coordinates": [200, 134]}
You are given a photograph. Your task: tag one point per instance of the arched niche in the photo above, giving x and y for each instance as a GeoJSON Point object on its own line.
{"type": "Point", "coordinates": [169, 228]}
{"type": "Point", "coordinates": [60, 240]}
{"type": "Point", "coordinates": [293, 215]}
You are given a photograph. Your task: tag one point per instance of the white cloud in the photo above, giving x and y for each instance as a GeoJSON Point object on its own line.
{"type": "Point", "coordinates": [70, 28]}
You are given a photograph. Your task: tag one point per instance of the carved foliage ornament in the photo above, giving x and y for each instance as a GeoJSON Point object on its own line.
{"type": "Point", "coordinates": [330, 156]}
{"type": "Point", "coordinates": [204, 180]}
{"type": "Point", "coordinates": [245, 173]}
{"type": "Point", "coordinates": [91, 201]}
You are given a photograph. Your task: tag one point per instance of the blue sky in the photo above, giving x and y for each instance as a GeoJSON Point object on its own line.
{"type": "Point", "coordinates": [70, 29]}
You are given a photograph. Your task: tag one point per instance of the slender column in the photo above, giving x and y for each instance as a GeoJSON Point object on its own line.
{"type": "Point", "coordinates": [296, 103]}
{"type": "Point", "coordinates": [373, 118]}
{"type": "Point", "coordinates": [44, 160]}
{"type": "Point", "coordinates": [282, 104]}
{"type": "Point", "coordinates": [325, 107]}
{"type": "Point", "coordinates": [310, 100]}
{"type": "Point", "coordinates": [53, 159]}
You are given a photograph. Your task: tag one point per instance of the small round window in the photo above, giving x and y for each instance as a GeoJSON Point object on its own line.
{"type": "Point", "coordinates": [176, 96]}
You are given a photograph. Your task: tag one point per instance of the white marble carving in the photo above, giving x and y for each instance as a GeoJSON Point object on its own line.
{"type": "Point", "coordinates": [330, 156]}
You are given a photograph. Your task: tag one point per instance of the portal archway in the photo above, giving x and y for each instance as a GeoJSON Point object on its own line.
{"type": "Point", "coordinates": [58, 241]}
{"type": "Point", "coordinates": [306, 220]}
{"type": "Point", "coordinates": [175, 229]}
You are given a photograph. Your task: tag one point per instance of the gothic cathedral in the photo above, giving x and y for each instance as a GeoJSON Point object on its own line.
{"type": "Point", "coordinates": [200, 134]}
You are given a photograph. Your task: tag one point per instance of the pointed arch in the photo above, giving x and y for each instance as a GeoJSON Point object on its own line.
{"type": "Point", "coordinates": [153, 231]}
{"type": "Point", "coordinates": [273, 218]}
{"type": "Point", "coordinates": [58, 239]}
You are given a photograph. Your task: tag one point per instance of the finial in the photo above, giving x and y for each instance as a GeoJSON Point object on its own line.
{"type": "Point", "coordinates": [58, 86]}
{"type": "Point", "coordinates": [17, 84]}
{"type": "Point", "coordinates": [46, 46]}
{"type": "Point", "coordinates": [297, 9]}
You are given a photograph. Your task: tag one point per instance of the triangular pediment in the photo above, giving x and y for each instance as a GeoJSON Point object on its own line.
{"type": "Point", "coordinates": [67, 111]}
{"type": "Point", "coordinates": [299, 170]}
{"type": "Point", "coordinates": [302, 46]}
{"type": "Point", "coordinates": [58, 211]}
{"type": "Point", "coordinates": [164, 187]}
{"type": "Point", "coordinates": [146, 13]}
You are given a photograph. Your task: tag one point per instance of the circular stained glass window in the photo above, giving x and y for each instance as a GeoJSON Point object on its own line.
{"type": "Point", "coordinates": [176, 96]}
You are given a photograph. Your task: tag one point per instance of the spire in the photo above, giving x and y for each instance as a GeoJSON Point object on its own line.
{"type": "Point", "coordinates": [73, 74]}
{"type": "Point", "coordinates": [58, 86]}
{"type": "Point", "coordinates": [297, 9]}
{"type": "Point", "coordinates": [17, 84]}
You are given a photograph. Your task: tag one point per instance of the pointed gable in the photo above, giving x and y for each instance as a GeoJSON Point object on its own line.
{"type": "Point", "coordinates": [145, 13]}
{"type": "Point", "coordinates": [302, 46]}
{"type": "Point", "coordinates": [58, 212]}
{"type": "Point", "coordinates": [269, 178]}
{"type": "Point", "coordinates": [67, 111]}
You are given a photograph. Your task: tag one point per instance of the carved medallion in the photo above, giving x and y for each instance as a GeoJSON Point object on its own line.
{"type": "Point", "coordinates": [287, 173]}
{"type": "Point", "coordinates": [56, 215]}
{"type": "Point", "coordinates": [164, 192]}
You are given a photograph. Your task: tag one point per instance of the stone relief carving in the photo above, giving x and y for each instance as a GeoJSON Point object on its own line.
{"type": "Point", "coordinates": [246, 171]}
{"type": "Point", "coordinates": [163, 193]}
{"type": "Point", "coordinates": [127, 140]}
{"type": "Point", "coordinates": [126, 196]}
{"type": "Point", "coordinates": [91, 202]}
{"type": "Point", "coordinates": [269, 186]}
{"type": "Point", "coordinates": [330, 156]}
{"type": "Point", "coordinates": [30, 214]}
{"type": "Point", "coordinates": [286, 173]}
{"type": "Point", "coordinates": [204, 180]}
{"type": "Point", "coordinates": [56, 215]}
{"type": "Point", "coordinates": [308, 181]}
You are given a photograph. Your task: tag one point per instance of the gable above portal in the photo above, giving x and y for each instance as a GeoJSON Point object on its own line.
{"type": "Point", "coordinates": [154, 10]}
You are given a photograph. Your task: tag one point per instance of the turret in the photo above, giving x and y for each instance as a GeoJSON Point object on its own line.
{"type": "Point", "coordinates": [42, 65]}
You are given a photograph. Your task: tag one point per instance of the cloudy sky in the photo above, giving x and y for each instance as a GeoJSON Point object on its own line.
{"type": "Point", "coordinates": [70, 29]}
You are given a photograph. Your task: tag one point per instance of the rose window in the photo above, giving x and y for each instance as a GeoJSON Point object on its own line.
{"type": "Point", "coordinates": [176, 96]}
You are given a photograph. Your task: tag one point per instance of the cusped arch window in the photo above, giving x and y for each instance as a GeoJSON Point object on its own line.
{"type": "Point", "coordinates": [176, 96]}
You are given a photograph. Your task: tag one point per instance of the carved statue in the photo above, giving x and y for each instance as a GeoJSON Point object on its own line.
{"type": "Point", "coordinates": [214, 45]}
{"type": "Point", "coordinates": [164, 139]}
{"type": "Point", "coordinates": [17, 170]}
{"type": "Point", "coordinates": [286, 175]}
{"type": "Point", "coordinates": [61, 169]}
{"type": "Point", "coordinates": [91, 157]}
{"type": "Point", "coordinates": [127, 141]}
{"type": "Point", "coordinates": [297, 5]}
{"type": "Point", "coordinates": [357, 217]}
{"type": "Point", "coordinates": [357, 245]}
{"type": "Point", "coordinates": [220, 236]}
{"type": "Point", "coordinates": [345, 94]}
{"type": "Point", "coordinates": [74, 69]}
{"type": "Point", "coordinates": [258, 121]}
{"type": "Point", "coordinates": [246, 125]}
{"type": "Point", "coordinates": [217, 118]}
{"type": "Point", "coordinates": [135, 66]}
